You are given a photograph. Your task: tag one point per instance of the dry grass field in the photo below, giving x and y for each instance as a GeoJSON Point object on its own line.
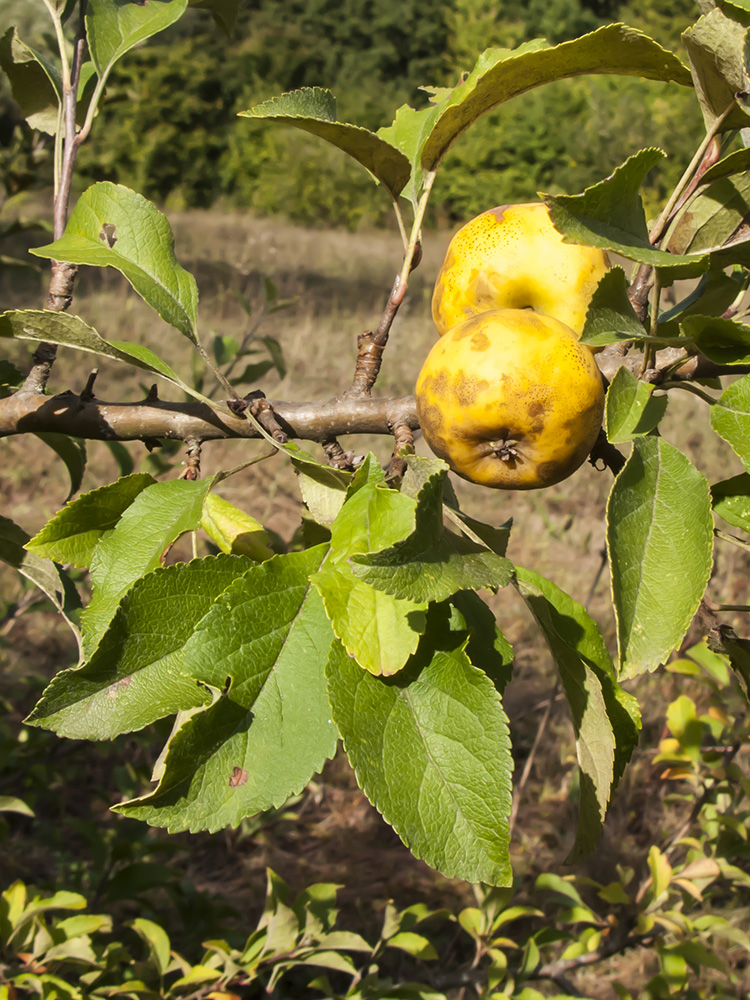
{"type": "Point", "coordinates": [337, 283]}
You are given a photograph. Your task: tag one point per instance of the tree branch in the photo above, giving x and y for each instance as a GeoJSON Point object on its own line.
{"type": "Point", "coordinates": [84, 416]}
{"type": "Point", "coordinates": [69, 413]}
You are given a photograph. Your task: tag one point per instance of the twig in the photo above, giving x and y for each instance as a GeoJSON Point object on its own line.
{"type": "Point", "coordinates": [639, 289]}
{"type": "Point", "coordinates": [726, 537]}
{"type": "Point", "coordinates": [87, 393]}
{"type": "Point", "coordinates": [689, 387]}
{"type": "Point", "coordinates": [372, 344]}
{"type": "Point", "coordinates": [16, 610]}
{"type": "Point", "coordinates": [553, 970]}
{"type": "Point", "coordinates": [664, 219]}
{"type": "Point", "coordinates": [597, 577]}
{"type": "Point", "coordinates": [60, 293]}
{"type": "Point", "coordinates": [246, 465]}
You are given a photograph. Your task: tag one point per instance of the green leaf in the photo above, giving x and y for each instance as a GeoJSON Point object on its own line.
{"type": "Point", "coordinates": [112, 226]}
{"type": "Point", "coordinates": [313, 110]}
{"type": "Point", "coordinates": [34, 81]}
{"type": "Point", "coordinates": [714, 222]}
{"type": "Point", "coordinates": [73, 453]}
{"type": "Point", "coordinates": [738, 651]}
{"type": "Point", "coordinates": [72, 534]}
{"type": "Point", "coordinates": [660, 540]}
{"type": "Point", "coordinates": [156, 518]}
{"type": "Point", "coordinates": [431, 563]}
{"type": "Point", "coordinates": [731, 500]}
{"type": "Point", "coordinates": [49, 578]}
{"type": "Point", "coordinates": [610, 215]}
{"type": "Point", "coordinates": [631, 409]}
{"type": "Point", "coordinates": [610, 317]}
{"type": "Point", "coordinates": [500, 74]}
{"type": "Point", "coordinates": [224, 348]}
{"type": "Point", "coordinates": [431, 750]}
{"type": "Point", "coordinates": [323, 489]}
{"type": "Point", "coordinates": [71, 331]}
{"type": "Point", "coordinates": [114, 28]}
{"type": "Point", "coordinates": [157, 940]}
{"type": "Point", "coordinates": [606, 719]}
{"type": "Point", "coordinates": [233, 530]}
{"type": "Point", "coordinates": [737, 162]}
{"type": "Point", "coordinates": [712, 296]}
{"type": "Point", "coordinates": [487, 647]}
{"type": "Point", "coordinates": [723, 341]}
{"type": "Point", "coordinates": [135, 676]}
{"type": "Point", "coordinates": [9, 803]}
{"type": "Point", "coordinates": [416, 945]}
{"type": "Point", "coordinates": [379, 630]}
{"type": "Point", "coordinates": [224, 12]}
{"type": "Point", "coordinates": [715, 45]}
{"type": "Point", "coordinates": [730, 418]}
{"type": "Point", "coordinates": [271, 730]}
{"type": "Point", "coordinates": [408, 134]}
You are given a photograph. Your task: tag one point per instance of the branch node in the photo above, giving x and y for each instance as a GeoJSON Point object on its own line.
{"type": "Point", "coordinates": [60, 292]}
{"type": "Point", "coordinates": [192, 470]}
{"type": "Point", "coordinates": [337, 457]}
{"type": "Point", "coordinates": [87, 393]}
{"type": "Point", "coordinates": [237, 406]}
{"type": "Point", "coordinates": [152, 396]}
{"type": "Point", "coordinates": [403, 445]}
{"type": "Point", "coordinates": [368, 363]}
{"type": "Point", "coordinates": [262, 410]}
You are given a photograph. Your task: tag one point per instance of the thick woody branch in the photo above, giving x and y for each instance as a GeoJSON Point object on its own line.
{"type": "Point", "coordinates": [83, 416]}
{"type": "Point", "coordinates": [68, 413]}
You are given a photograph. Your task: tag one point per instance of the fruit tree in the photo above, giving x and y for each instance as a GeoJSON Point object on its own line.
{"type": "Point", "coordinates": [374, 630]}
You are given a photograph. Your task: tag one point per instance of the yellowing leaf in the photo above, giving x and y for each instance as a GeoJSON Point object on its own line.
{"type": "Point", "coordinates": [233, 530]}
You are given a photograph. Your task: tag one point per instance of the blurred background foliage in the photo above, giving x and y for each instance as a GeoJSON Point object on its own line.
{"type": "Point", "coordinates": [180, 98]}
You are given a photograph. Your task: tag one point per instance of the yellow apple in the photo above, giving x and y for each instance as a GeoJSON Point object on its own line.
{"type": "Point", "coordinates": [511, 399]}
{"type": "Point", "coordinates": [512, 257]}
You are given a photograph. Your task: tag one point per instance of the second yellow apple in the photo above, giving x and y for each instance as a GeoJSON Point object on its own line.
{"type": "Point", "coordinates": [512, 257]}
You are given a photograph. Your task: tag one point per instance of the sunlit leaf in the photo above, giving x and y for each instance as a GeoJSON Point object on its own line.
{"type": "Point", "coordinates": [660, 539]}
{"type": "Point", "coordinates": [431, 563]}
{"type": "Point", "coordinates": [313, 110]}
{"type": "Point", "coordinates": [264, 644]}
{"type": "Point", "coordinates": [135, 546]}
{"type": "Point", "coordinates": [431, 751]}
{"type": "Point", "coordinates": [730, 417]}
{"type": "Point", "coordinates": [112, 226]}
{"type": "Point", "coordinates": [631, 408]}
{"type": "Point", "coordinates": [715, 45]}
{"type": "Point", "coordinates": [134, 677]}
{"type": "Point", "coordinates": [380, 630]}
{"type": "Point", "coordinates": [114, 28]}
{"type": "Point", "coordinates": [610, 215]}
{"type": "Point", "coordinates": [71, 535]}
